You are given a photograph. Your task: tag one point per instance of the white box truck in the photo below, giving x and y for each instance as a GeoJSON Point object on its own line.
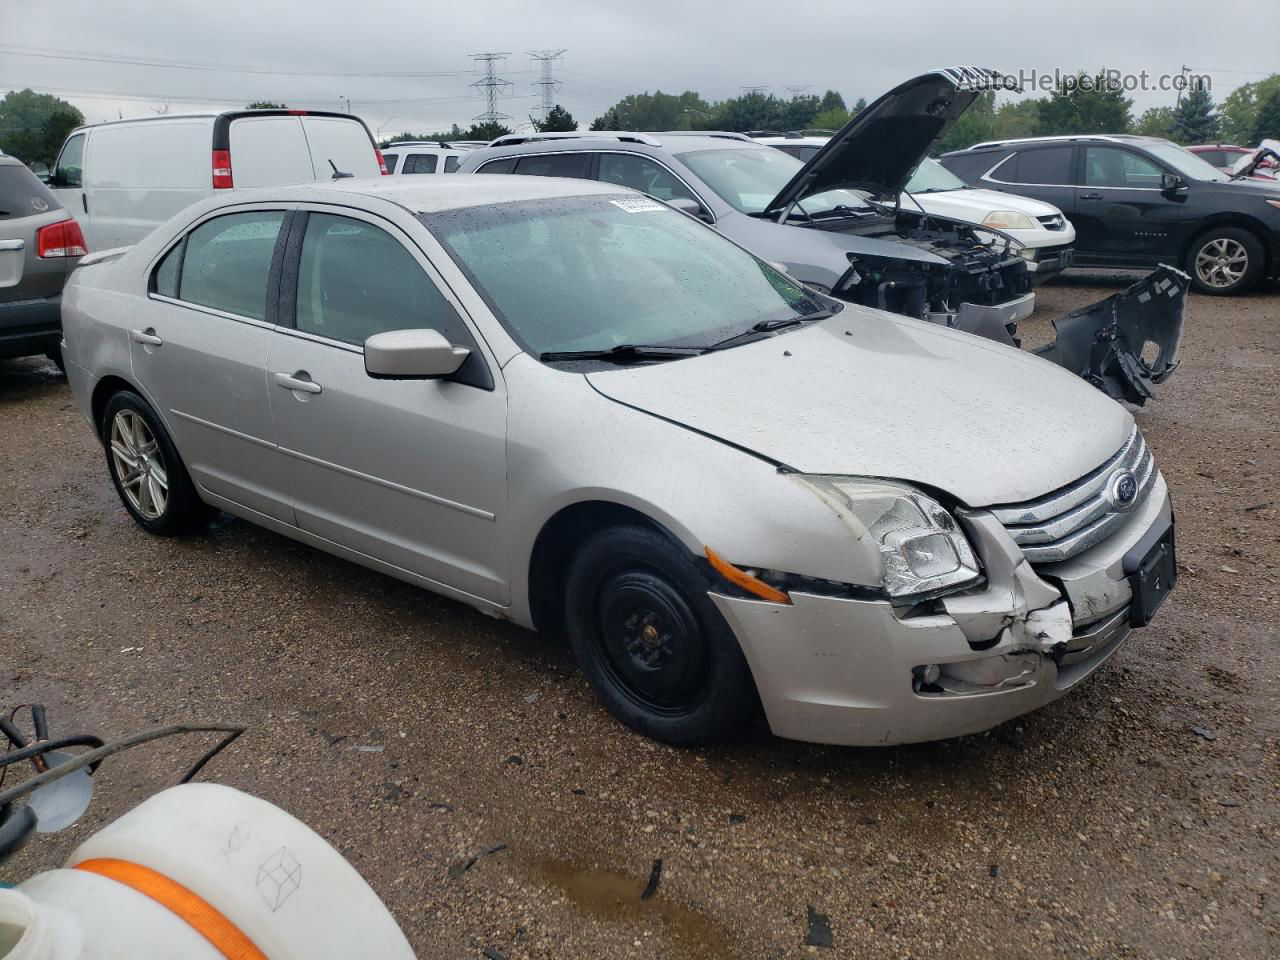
{"type": "Point", "coordinates": [122, 178]}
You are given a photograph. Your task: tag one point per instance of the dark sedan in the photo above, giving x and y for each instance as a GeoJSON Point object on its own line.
{"type": "Point", "coordinates": [1140, 201]}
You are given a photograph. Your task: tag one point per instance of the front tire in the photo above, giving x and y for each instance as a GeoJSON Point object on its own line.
{"type": "Point", "coordinates": [650, 641]}
{"type": "Point", "coordinates": [147, 472]}
{"type": "Point", "coordinates": [1224, 261]}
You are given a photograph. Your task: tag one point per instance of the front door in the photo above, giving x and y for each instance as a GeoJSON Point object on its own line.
{"type": "Point", "coordinates": [1120, 212]}
{"type": "Point", "coordinates": [199, 344]}
{"type": "Point", "coordinates": [67, 183]}
{"type": "Point", "coordinates": [409, 472]}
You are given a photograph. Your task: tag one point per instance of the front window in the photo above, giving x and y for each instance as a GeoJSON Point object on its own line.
{"type": "Point", "coordinates": [933, 177]}
{"type": "Point", "coordinates": [597, 272]}
{"type": "Point", "coordinates": [748, 180]}
{"type": "Point", "coordinates": [1184, 162]}
{"type": "Point", "coordinates": [68, 171]}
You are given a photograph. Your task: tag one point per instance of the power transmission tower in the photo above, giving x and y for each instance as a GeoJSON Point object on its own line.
{"type": "Point", "coordinates": [797, 90]}
{"type": "Point", "coordinates": [761, 88]}
{"type": "Point", "coordinates": [545, 85]}
{"type": "Point", "coordinates": [491, 86]}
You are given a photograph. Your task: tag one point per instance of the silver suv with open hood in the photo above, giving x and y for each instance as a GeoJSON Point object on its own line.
{"type": "Point", "coordinates": [835, 224]}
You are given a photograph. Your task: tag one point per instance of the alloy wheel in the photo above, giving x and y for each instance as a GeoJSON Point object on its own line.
{"type": "Point", "coordinates": [1222, 262]}
{"type": "Point", "coordinates": [139, 465]}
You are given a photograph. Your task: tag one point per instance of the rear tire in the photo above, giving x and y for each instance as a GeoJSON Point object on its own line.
{"type": "Point", "coordinates": [650, 641]}
{"type": "Point", "coordinates": [1224, 261]}
{"type": "Point", "coordinates": [147, 472]}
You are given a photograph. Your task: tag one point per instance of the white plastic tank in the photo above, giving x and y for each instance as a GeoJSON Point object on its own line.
{"type": "Point", "coordinates": [201, 872]}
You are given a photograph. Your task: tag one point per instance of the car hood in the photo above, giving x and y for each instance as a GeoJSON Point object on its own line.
{"type": "Point", "coordinates": [879, 149]}
{"type": "Point", "coordinates": [867, 393]}
{"type": "Point", "coordinates": [974, 204]}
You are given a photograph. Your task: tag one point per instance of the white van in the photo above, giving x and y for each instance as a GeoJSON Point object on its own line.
{"type": "Point", "coordinates": [122, 178]}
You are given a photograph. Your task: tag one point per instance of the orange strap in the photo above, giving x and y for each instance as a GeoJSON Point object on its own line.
{"type": "Point", "coordinates": [200, 915]}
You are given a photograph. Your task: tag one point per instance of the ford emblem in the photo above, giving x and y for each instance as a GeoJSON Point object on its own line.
{"type": "Point", "coordinates": [1124, 490]}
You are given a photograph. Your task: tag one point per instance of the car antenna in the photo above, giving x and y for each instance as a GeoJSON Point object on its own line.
{"type": "Point", "coordinates": [338, 174]}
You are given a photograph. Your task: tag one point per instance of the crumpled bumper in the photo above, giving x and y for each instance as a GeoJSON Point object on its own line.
{"type": "Point", "coordinates": [846, 671]}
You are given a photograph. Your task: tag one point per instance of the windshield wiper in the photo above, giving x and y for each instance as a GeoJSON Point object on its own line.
{"type": "Point", "coordinates": [623, 353]}
{"type": "Point", "coordinates": [769, 326]}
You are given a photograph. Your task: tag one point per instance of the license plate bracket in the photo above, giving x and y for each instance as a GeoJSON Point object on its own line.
{"type": "Point", "coordinates": [1152, 569]}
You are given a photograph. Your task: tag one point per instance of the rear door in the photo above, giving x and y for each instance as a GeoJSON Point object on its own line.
{"type": "Point", "coordinates": [1042, 172]}
{"type": "Point", "coordinates": [269, 151]}
{"type": "Point", "coordinates": [341, 142]}
{"type": "Point", "coordinates": [199, 348]}
{"type": "Point", "coordinates": [421, 163]}
{"type": "Point", "coordinates": [409, 472]}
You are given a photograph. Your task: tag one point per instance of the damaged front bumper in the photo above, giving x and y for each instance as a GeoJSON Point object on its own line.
{"type": "Point", "coordinates": [862, 672]}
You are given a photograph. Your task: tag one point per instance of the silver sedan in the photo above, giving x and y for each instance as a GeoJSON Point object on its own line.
{"type": "Point", "coordinates": [572, 406]}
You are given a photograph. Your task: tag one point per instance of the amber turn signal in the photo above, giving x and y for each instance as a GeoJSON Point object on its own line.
{"type": "Point", "coordinates": [745, 580]}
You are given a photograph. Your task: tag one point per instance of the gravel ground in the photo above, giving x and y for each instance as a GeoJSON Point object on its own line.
{"type": "Point", "coordinates": [508, 813]}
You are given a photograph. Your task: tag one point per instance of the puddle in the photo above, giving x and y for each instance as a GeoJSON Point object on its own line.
{"type": "Point", "coordinates": [616, 897]}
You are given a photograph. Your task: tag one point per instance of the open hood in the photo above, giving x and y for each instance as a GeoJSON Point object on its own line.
{"type": "Point", "coordinates": [878, 150]}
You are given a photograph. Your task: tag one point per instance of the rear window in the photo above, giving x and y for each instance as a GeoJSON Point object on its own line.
{"type": "Point", "coordinates": [22, 195]}
{"type": "Point", "coordinates": [420, 163]}
{"type": "Point", "coordinates": [573, 165]}
{"type": "Point", "coordinates": [505, 165]}
{"type": "Point", "coordinates": [227, 262]}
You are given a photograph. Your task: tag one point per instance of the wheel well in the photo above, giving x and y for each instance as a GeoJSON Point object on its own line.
{"type": "Point", "coordinates": [555, 546]}
{"type": "Point", "coordinates": [107, 388]}
{"type": "Point", "coordinates": [1249, 226]}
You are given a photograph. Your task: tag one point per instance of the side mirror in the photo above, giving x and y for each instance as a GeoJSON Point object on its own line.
{"type": "Point", "coordinates": [692, 207]}
{"type": "Point", "coordinates": [1172, 183]}
{"type": "Point", "coordinates": [412, 355]}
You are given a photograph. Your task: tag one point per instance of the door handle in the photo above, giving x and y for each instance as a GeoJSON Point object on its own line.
{"type": "Point", "coordinates": [147, 336]}
{"type": "Point", "coordinates": [84, 201]}
{"type": "Point", "coordinates": [13, 244]}
{"type": "Point", "coordinates": [300, 381]}
{"type": "Point", "coordinates": [1090, 196]}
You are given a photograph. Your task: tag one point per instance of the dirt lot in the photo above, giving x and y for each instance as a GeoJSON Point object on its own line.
{"type": "Point", "coordinates": [507, 812]}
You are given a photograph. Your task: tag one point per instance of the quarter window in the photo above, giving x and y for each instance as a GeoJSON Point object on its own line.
{"type": "Point", "coordinates": [165, 279]}
{"type": "Point", "coordinates": [643, 174]}
{"type": "Point", "coordinates": [505, 165]}
{"type": "Point", "coordinates": [572, 165]}
{"type": "Point", "coordinates": [451, 164]}
{"type": "Point", "coordinates": [391, 159]}
{"type": "Point", "coordinates": [228, 261]}
{"type": "Point", "coordinates": [1112, 167]}
{"type": "Point", "coordinates": [68, 171]}
{"type": "Point", "coordinates": [420, 163]}
{"type": "Point", "coordinates": [356, 280]}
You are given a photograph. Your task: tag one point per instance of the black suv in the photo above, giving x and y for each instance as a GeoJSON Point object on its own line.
{"type": "Point", "coordinates": [1139, 201]}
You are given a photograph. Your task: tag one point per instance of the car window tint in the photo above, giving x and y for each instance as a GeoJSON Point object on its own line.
{"type": "Point", "coordinates": [164, 280]}
{"type": "Point", "coordinates": [420, 163]}
{"type": "Point", "coordinates": [22, 194]}
{"type": "Point", "coordinates": [1216, 157]}
{"type": "Point", "coordinates": [1112, 167]}
{"type": "Point", "coordinates": [356, 280]}
{"type": "Point", "coordinates": [68, 172]}
{"type": "Point", "coordinates": [807, 153]}
{"type": "Point", "coordinates": [505, 165]}
{"type": "Point", "coordinates": [1050, 165]}
{"type": "Point", "coordinates": [451, 164]}
{"type": "Point", "coordinates": [228, 260]}
{"type": "Point", "coordinates": [390, 159]}
{"type": "Point", "coordinates": [643, 174]}
{"type": "Point", "coordinates": [572, 165]}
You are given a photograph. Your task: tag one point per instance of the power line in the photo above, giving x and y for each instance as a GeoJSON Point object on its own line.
{"type": "Point", "coordinates": [797, 90]}
{"type": "Point", "coordinates": [546, 86]}
{"type": "Point", "coordinates": [760, 88]}
{"type": "Point", "coordinates": [491, 85]}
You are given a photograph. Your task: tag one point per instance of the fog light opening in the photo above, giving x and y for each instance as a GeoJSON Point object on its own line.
{"type": "Point", "coordinates": [926, 677]}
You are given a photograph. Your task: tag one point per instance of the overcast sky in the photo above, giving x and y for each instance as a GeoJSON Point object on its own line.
{"type": "Point", "coordinates": [316, 53]}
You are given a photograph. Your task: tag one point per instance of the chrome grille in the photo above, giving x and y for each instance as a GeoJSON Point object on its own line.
{"type": "Point", "coordinates": [1073, 519]}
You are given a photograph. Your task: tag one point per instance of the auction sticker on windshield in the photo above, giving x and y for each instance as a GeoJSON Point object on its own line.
{"type": "Point", "coordinates": [638, 205]}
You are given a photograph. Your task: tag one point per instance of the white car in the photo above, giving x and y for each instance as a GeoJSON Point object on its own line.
{"type": "Point", "coordinates": [423, 156]}
{"type": "Point", "coordinates": [1046, 235]}
{"type": "Point", "coordinates": [123, 178]}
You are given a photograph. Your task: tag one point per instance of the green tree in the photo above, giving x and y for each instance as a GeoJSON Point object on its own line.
{"type": "Point", "coordinates": [266, 105]}
{"type": "Point", "coordinates": [1155, 122]}
{"type": "Point", "coordinates": [558, 120]}
{"type": "Point", "coordinates": [1267, 124]}
{"type": "Point", "coordinates": [485, 131]}
{"type": "Point", "coordinates": [1015, 119]}
{"type": "Point", "coordinates": [657, 111]}
{"type": "Point", "coordinates": [1240, 108]}
{"type": "Point", "coordinates": [832, 119]}
{"type": "Point", "coordinates": [798, 112]}
{"type": "Point", "coordinates": [858, 106]}
{"type": "Point", "coordinates": [1084, 104]}
{"type": "Point", "coordinates": [831, 100]}
{"type": "Point", "coordinates": [34, 125]}
{"type": "Point", "coordinates": [1194, 119]}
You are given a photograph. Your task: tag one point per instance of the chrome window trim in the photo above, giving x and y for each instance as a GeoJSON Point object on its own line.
{"type": "Point", "coordinates": [212, 311]}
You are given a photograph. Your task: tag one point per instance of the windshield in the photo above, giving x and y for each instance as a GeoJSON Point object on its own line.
{"type": "Point", "coordinates": [1184, 161]}
{"type": "Point", "coordinates": [933, 177]}
{"type": "Point", "coordinates": [596, 272]}
{"type": "Point", "coordinates": [749, 179]}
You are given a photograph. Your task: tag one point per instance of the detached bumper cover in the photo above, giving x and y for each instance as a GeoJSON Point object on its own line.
{"type": "Point", "coordinates": [845, 671]}
{"type": "Point", "coordinates": [1127, 343]}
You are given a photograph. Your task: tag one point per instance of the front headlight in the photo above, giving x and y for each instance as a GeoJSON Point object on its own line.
{"type": "Point", "coordinates": [1008, 220]}
{"type": "Point", "coordinates": [922, 550]}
